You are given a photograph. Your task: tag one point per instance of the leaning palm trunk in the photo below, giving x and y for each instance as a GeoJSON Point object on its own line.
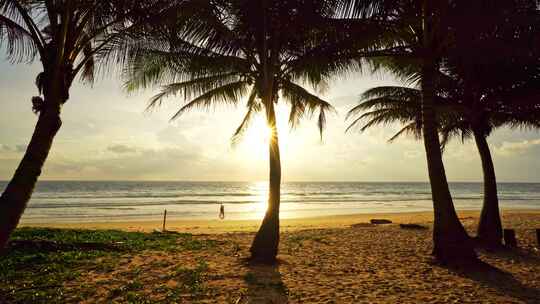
{"type": "Point", "coordinates": [69, 37]}
{"type": "Point", "coordinates": [490, 227]}
{"type": "Point", "coordinates": [266, 242]}
{"type": "Point", "coordinates": [451, 242]}
{"type": "Point", "coordinates": [19, 190]}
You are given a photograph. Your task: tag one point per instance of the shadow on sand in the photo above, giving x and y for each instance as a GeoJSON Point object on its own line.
{"type": "Point", "coordinates": [498, 279]}
{"type": "Point", "coordinates": [517, 255]}
{"type": "Point", "coordinates": [264, 285]}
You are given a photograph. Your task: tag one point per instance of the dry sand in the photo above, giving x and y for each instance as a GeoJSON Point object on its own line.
{"type": "Point", "coordinates": [325, 260]}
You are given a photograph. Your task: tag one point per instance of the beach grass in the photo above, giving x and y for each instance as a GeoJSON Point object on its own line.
{"type": "Point", "coordinates": [40, 260]}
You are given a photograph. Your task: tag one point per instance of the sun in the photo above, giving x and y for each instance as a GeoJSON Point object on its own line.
{"type": "Point", "coordinates": [258, 134]}
{"type": "Point", "coordinates": [251, 150]}
{"type": "Point", "coordinates": [256, 139]}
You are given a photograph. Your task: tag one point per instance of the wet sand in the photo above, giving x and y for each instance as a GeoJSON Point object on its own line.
{"type": "Point", "coordinates": [218, 226]}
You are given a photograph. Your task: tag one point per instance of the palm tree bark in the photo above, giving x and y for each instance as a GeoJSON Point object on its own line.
{"type": "Point", "coordinates": [15, 197]}
{"type": "Point", "coordinates": [451, 242]}
{"type": "Point", "coordinates": [489, 227]}
{"type": "Point", "coordinates": [265, 245]}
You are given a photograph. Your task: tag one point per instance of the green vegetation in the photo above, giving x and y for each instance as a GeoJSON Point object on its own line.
{"type": "Point", "coordinates": [192, 279]}
{"type": "Point", "coordinates": [115, 239]}
{"type": "Point", "coordinates": [40, 261]}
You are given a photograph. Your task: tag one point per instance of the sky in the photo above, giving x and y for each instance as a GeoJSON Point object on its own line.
{"type": "Point", "coordinates": [108, 135]}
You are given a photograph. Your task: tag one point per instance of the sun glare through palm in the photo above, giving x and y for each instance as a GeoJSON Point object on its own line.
{"type": "Point", "coordinates": [257, 135]}
{"type": "Point", "coordinates": [253, 145]}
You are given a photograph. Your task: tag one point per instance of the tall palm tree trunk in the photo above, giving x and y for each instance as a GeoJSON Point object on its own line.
{"type": "Point", "coordinates": [490, 227]}
{"type": "Point", "coordinates": [19, 190]}
{"type": "Point", "coordinates": [266, 242]}
{"type": "Point", "coordinates": [451, 242]}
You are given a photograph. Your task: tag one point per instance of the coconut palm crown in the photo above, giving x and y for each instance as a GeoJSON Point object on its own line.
{"type": "Point", "coordinates": [70, 38]}
{"type": "Point", "coordinates": [264, 51]}
{"type": "Point", "coordinates": [456, 118]}
{"type": "Point", "coordinates": [429, 32]}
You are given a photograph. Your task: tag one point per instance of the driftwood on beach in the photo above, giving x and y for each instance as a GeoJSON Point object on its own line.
{"type": "Point", "coordinates": [412, 226]}
{"type": "Point", "coordinates": [380, 221]}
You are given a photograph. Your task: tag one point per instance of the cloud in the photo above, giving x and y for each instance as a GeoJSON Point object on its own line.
{"type": "Point", "coordinates": [170, 135]}
{"type": "Point", "coordinates": [121, 149]}
{"type": "Point", "coordinates": [166, 163]}
{"type": "Point", "coordinates": [12, 148]}
{"type": "Point", "coordinates": [106, 135]}
{"type": "Point", "coordinates": [5, 148]}
{"type": "Point", "coordinates": [412, 154]}
{"type": "Point", "coordinates": [520, 147]}
{"type": "Point", "coordinates": [20, 148]}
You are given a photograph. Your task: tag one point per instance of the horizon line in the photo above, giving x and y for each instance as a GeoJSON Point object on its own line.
{"type": "Point", "coordinates": [260, 181]}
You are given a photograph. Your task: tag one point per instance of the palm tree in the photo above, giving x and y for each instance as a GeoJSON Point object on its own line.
{"type": "Point", "coordinates": [263, 50]}
{"type": "Point", "coordinates": [490, 84]}
{"type": "Point", "coordinates": [456, 118]}
{"type": "Point", "coordinates": [423, 29]}
{"type": "Point", "coordinates": [429, 32]}
{"type": "Point", "coordinates": [69, 37]}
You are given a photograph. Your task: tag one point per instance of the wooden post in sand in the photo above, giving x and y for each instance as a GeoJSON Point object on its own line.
{"type": "Point", "coordinates": [538, 237]}
{"type": "Point", "coordinates": [164, 220]}
{"type": "Point", "coordinates": [510, 238]}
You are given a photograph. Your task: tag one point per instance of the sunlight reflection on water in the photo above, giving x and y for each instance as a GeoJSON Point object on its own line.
{"type": "Point", "coordinates": [261, 204]}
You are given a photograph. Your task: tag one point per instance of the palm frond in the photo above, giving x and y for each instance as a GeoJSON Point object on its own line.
{"type": "Point", "coordinates": [149, 67]}
{"type": "Point", "coordinates": [18, 41]}
{"type": "Point", "coordinates": [381, 117]}
{"type": "Point", "coordinates": [304, 104]}
{"type": "Point", "coordinates": [193, 88]}
{"type": "Point", "coordinates": [252, 108]}
{"type": "Point", "coordinates": [17, 19]}
{"type": "Point", "coordinates": [410, 129]}
{"type": "Point", "coordinates": [397, 92]}
{"type": "Point", "coordinates": [88, 71]}
{"type": "Point", "coordinates": [227, 94]}
{"type": "Point", "coordinates": [405, 68]}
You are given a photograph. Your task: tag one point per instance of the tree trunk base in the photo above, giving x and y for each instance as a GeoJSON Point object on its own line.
{"type": "Point", "coordinates": [265, 245]}
{"type": "Point", "coordinates": [262, 259]}
{"type": "Point", "coordinates": [454, 250]}
{"type": "Point", "coordinates": [490, 230]}
{"type": "Point", "coordinates": [491, 244]}
{"type": "Point", "coordinates": [263, 253]}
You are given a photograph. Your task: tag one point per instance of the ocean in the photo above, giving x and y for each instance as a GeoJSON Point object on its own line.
{"type": "Point", "coordinates": [102, 201]}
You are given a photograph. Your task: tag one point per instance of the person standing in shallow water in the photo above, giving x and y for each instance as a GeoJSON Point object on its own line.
{"type": "Point", "coordinates": [222, 212]}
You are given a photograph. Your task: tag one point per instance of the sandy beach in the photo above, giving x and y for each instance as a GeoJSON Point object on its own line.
{"type": "Point", "coordinates": [226, 226]}
{"type": "Point", "coordinates": [339, 259]}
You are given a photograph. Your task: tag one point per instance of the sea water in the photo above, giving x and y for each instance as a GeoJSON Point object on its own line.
{"type": "Point", "coordinates": [101, 201]}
